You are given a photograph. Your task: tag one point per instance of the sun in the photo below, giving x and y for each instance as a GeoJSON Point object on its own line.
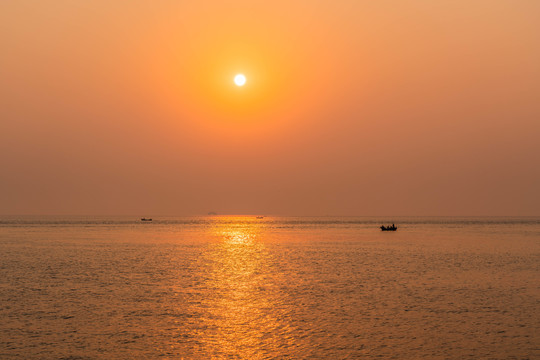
{"type": "Point", "coordinates": [240, 80]}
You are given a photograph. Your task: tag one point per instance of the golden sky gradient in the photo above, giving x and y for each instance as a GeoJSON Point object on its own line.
{"type": "Point", "coordinates": [414, 107]}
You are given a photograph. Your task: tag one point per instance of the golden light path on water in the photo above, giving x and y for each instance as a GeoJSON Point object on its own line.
{"type": "Point", "coordinates": [243, 313]}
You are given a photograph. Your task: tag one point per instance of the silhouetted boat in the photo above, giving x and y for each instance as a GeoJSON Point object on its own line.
{"type": "Point", "coordinates": [260, 217]}
{"type": "Point", "coordinates": [389, 228]}
{"type": "Point", "coordinates": [145, 219]}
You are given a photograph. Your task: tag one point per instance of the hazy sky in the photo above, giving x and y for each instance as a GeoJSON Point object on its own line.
{"type": "Point", "coordinates": [415, 107]}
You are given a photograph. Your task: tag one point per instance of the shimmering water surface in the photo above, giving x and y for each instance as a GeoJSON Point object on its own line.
{"type": "Point", "coordinates": [285, 288]}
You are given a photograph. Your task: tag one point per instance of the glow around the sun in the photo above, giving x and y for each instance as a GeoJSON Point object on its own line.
{"type": "Point", "coordinates": [240, 80]}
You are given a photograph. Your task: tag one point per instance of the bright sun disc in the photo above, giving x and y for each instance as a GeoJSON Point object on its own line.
{"type": "Point", "coordinates": [240, 80]}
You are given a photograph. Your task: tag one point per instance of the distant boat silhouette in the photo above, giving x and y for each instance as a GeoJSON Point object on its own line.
{"type": "Point", "coordinates": [145, 219]}
{"type": "Point", "coordinates": [389, 228]}
{"type": "Point", "coordinates": [260, 217]}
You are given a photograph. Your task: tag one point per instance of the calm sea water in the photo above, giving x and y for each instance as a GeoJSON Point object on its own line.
{"type": "Point", "coordinates": [272, 288]}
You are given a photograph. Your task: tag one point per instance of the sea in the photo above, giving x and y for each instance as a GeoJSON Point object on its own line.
{"type": "Point", "coordinates": [242, 287]}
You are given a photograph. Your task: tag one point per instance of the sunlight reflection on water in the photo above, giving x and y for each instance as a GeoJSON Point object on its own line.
{"type": "Point", "coordinates": [240, 315]}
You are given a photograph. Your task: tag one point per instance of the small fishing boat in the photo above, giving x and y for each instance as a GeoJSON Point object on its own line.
{"type": "Point", "coordinates": [260, 217]}
{"type": "Point", "coordinates": [145, 219]}
{"type": "Point", "coordinates": [389, 228]}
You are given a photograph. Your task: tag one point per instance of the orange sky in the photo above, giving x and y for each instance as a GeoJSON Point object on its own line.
{"type": "Point", "coordinates": [350, 107]}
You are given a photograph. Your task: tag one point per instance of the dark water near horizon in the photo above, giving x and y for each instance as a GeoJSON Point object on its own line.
{"type": "Point", "coordinates": [272, 288]}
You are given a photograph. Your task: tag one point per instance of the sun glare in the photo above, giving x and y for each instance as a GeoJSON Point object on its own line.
{"type": "Point", "coordinates": [240, 80]}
